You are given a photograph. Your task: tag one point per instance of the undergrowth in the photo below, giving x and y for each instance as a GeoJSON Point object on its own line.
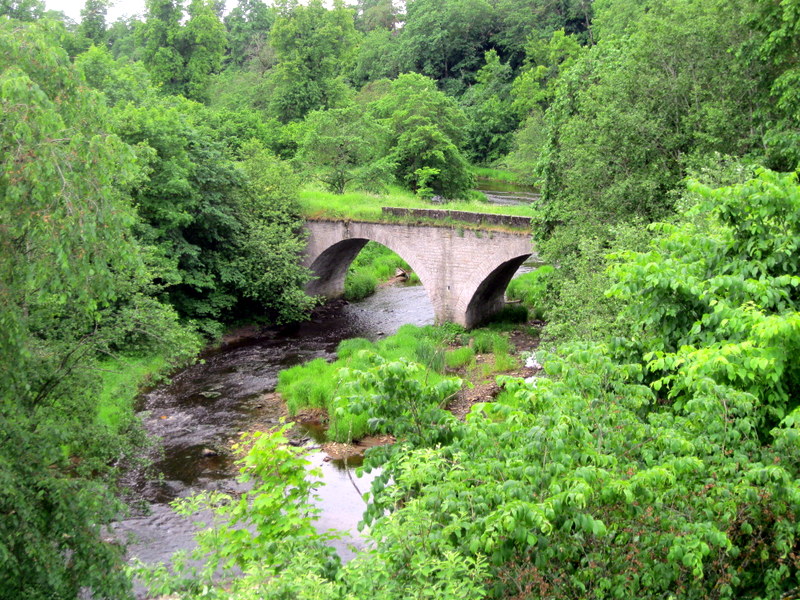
{"type": "Point", "coordinates": [321, 385]}
{"type": "Point", "coordinates": [505, 176]}
{"type": "Point", "coordinates": [373, 265]}
{"type": "Point", "coordinates": [122, 380]}
{"type": "Point", "coordinates": [531, 290]}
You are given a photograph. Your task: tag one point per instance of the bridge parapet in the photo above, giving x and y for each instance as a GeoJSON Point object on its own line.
{"type": "Point", "coordinates": [473, 218]}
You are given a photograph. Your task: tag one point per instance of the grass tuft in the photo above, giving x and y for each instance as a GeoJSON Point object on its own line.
{"type": "Point", "coordinates": [359, 285]}
{"type": "Point", "coordinates": [485, 341]}
{"type": "Point", "coordinates": [459, 357]}
{"type": "Point", "coordinates": [310, 385]}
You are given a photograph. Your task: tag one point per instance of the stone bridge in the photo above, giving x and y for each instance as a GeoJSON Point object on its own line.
{"type": "Point", "coordinates": [464, 271]}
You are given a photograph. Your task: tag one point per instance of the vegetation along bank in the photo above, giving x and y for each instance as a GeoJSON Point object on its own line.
{"type": "Point", "coordinates": [155, 175]}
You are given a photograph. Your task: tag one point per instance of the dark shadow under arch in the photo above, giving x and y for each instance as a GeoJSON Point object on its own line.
{"type": "Point", "coordinates": [490, 295]}
{"type": "Point", "coordinates": [330, 268]}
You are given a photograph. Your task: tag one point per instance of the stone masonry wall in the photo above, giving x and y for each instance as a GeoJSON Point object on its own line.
{"type": "Point", "coordinates": [460, 215]}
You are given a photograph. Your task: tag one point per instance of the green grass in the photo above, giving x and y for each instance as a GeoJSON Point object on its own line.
{"type": "Point", "coordinates": [459, 357]}
{"type": "Point", "coordinates": [348, 426]}
{"type": "Point", "coordinates": [501, 361]}
{"type": "Point", "coordinates": [514, 178]}
{"type": "Point", "coordinates": [122, 380]}
{"type": "Point", "coordinates": [316, 203]}
{"type": "Point", "coordinates": [430, 355]}
{"type": "Point", "coordinates": [359, 284]}
{"type": "Point", "coordinates": [348, 348]}
{"type": "Point", "coordinates": [498, 175]}
{"type": "Point", "coordinates": [373, 265]}
{"type": "Point", "coordinates": [505, 362]}
{"type": "Point", "coordinates": [531, 289]}
{"type": "Point", "coordinates": [310, 385]}
{"type": "Point", "coordinates": [316, 384]}
{"type": "Point", "coordinates": [485, 341]}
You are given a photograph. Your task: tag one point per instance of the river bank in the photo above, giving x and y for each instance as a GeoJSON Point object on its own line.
{"type": "Point", "coordinates": [203, 411]}
{"type": "Point", "coordinates": [230, 391]}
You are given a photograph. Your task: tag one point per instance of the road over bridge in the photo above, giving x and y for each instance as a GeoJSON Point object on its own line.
{"type": "Point", "coordinates": [464, 271]}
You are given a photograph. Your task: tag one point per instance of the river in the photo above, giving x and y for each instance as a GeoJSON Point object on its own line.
{"type": "Point", "coordinates": [200, 413]}
{"type": "Point", "coordinates": [507, 194]}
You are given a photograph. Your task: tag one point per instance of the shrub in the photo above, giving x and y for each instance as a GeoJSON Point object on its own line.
{"type": "Point", "coordinates": [577, 308]}
{"type": "Point", "coordinates": [318, 384]}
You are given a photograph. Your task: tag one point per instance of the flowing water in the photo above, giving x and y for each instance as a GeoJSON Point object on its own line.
{"type": "Point", "coordinates": [202, 411]}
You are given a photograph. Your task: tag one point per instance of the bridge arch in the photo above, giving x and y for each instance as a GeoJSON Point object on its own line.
{"type": "Point", "coordinates": [331, 266]}
{"type": "Point", "coordinates": [488, 296]}
{"type": "Point", "coordinates": [464, 272]}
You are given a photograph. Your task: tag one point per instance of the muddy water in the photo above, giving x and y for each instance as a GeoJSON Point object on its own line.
{"type": "Point", "coordinates": [201, 412]}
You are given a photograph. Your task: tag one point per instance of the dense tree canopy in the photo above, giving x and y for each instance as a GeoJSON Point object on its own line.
{"type": "Point", "coordinates": [248, 25]}
{"type": "Point", "coordinates": [149, 185]}
{"type": "Point", "coordinates": [75, 283]}
{"type": "Point", "coordinates": [182, 55]}
{"type": "Point", "coordinates": [425, 136]}
{"type": "Point", "coordinates": [313, 49]}
{"type": "Point", "coordinates": [24, 10]}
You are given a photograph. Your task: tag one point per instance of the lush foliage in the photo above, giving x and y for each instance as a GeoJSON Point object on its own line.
{"type": "Point", "coordinates": [375, 263]}
{"type": "Point", "coordinates": [76, 286]}
{"type": "Point", "coordinates": [425, 135]}
{"type": "Point", "coordinates": [343, 148]}
{"type": "Point", "coordinates": [320, 204]}
{"type": "Point", "coordinates": [628, 500]}
{"type": "Point", "coordinates": [670, 473]}
{"type": "Point", "coordinates": [318, 384]}
{"type": "Point", "coordinates": [182, 48]}
{"type": "Point", "coordinates": [312, 48]}
{"type": "Point", "coordinates": [719, 296]}
{"type": "Point", "coordinates": [227, 235]}
{"type": "Point", "coordinates": [256, 535]}
{"type": "Point", "coordinates": [531, 288]}
{"type": "Point", "coordinates": [487, 104]}
{"type": "Point", "coordinates": [150, 172]}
